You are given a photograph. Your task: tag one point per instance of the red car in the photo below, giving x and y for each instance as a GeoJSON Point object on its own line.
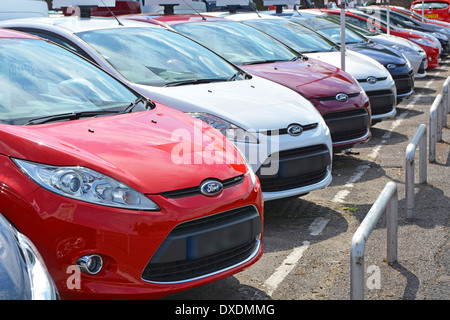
{"type": "Point", "coordinates": [418, 16]}
{"type": "Point", "coordinates": [362, 20]}
{"type": "Point", "coordinates": [336, 95]}
{"type": "Point", "coordinates": [89, 174]}
{"type": "Point", "coordinates": [432, 9]}
{"type": "Point", "coordinates": [121, 7]}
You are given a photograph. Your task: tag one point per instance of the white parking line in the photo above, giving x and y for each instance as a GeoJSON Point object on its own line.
{"type": "Point", "coordinates": [291, 260]}
{"type": "Point", "coordinates": [316, 227]}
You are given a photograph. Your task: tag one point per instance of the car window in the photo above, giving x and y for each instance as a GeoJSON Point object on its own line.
{"type": "Point", "coordinates": [330, 30]}
{"type": "Point", "coordinates": [40, 79]}
{"type": "Point", "coordinates": [236, 42]}
{"type": "Point", "coordinates": [157, 56]}
{"type": "Point", "coordinates": [294, 35]}
{"type": "Point", "coordinates": [56, 39]}
{"type": "Point", "coordinates": [431, 5]}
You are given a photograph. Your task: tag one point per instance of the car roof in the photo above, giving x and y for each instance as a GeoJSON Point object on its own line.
{"type": "Point", "coordinates": [76, 24]}
{"type": "Point", "coordinates": [183, 18]}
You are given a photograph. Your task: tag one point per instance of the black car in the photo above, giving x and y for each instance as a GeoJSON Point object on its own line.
{"type": "Point", "coordinates": [23, 274]}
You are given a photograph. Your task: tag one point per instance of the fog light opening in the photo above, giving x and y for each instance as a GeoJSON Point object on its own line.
{"type": "Point", "coordinates": [90, 264]}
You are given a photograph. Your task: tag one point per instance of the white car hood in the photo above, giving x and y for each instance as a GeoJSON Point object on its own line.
{"type": "Point", "coordinates": [357, 65]}
{"type": "Point", "coordinates": [256, 103]}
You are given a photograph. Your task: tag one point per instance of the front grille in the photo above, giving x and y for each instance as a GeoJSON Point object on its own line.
{"type": "Point", "coordinates": [296, 168]}
{"type": "Point", "coordinates": [281, 184]}
{"type": "Point", "coordinates": [348, 125]}
{"type": "Point", "coordinates": [333, 98]}
{"type": "Point", "coordinates": [193, 191]}
{"type": "Point", "coordinates": [378, 79]}
{"type": "Point", "coordinates": [404, 83]}
{"type": "Point", "coordinates": [381, 101]}
{"type": "Point", "coordinates": [182, 270]}
{"type": "Point", "coordinates": [305, 127]}
{"type": "Point", "coordinates": [207, 245]}
{"type": "Point", "coordinates": [422, 67]}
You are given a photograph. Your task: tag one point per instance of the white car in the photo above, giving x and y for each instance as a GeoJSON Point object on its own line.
{"type": "Point", "coordinates": [373, 77]}
{"type": "Point", "coordinates": [283, 136]}
{"type": "Point", "coordinates": [413, 52]}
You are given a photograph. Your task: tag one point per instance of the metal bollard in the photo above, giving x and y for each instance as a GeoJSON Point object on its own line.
{"type": "Point", "coordinates": [435, 128]}
{"type": "Point", "coordinates": [386, 201]}
{"type": "Point", "coordinates": [419, 139]}
{"type": "Point", "coordinates": [446, 101]}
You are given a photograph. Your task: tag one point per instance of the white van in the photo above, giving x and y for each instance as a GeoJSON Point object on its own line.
{"type": "Point", "coordinates": [22, 9]}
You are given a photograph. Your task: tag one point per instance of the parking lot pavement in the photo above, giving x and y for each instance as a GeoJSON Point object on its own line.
{"type": "Point", "coordinates": [308, 240]}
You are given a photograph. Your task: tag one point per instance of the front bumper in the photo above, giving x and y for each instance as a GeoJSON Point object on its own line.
{"type": "Point", "coordinates": [64, 230]}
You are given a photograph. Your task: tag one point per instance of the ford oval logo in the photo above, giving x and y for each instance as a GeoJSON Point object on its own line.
{"type": "Point", "coordinates": [372, 80]}
{"type": "Point", "coordinates": [211, 188]}
{"type": "Point", "coordinates": [342, 97]}
{"type": "Point", "coordinates": [391, 66]}
{"type": "Point", "coordinates": [294, 129]}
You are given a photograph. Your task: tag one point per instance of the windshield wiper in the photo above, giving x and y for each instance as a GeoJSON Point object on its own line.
{"type": "Point", "coordinates": [69, 116]}
{"type": "Point", "coordinates": [237, 74]}
{"type": "Point", "coordinates": [262, 61]}
{"type": "Point", "coordinates": [300, 57]}
{"type": "Point", "coordinates": [147, 104]}
{"type": "Point", "coordinates": [193, 81]}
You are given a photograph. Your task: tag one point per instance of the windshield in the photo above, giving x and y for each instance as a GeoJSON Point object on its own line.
{"type": "Point", "coordinates": [157, 56]}
{"type": "Point", "coordinates": [297, 37]}
{"type": "Point", "coordinates": [330, 30]}
{"type": "Point", "coordinates": [236, 42]}
{"type": "Point", "coordinates": [39, 79]}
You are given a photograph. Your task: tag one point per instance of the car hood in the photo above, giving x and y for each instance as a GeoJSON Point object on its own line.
{"type": "Point", "coordinates": [389, 40]}
{"type": "Point", "coordinates": [311, 78]}
{"type": "Point", "coordinates": [380, 53]}
{"type": "Point", "coordinates": [253, 104]}
{"type": "Point", "coordinates": [357, 65]}
{"type": "Point", "coordinates": [135, 148]}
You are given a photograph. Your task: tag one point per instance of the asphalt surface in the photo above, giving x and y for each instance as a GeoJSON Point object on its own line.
{"type": "Point", "coordinates": [307, 240]}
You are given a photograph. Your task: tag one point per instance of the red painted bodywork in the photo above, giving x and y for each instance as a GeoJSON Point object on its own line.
{"type": "Point", "coordinates": [312, 78]}
{"type": "Point", "coordinates": [409, 14]}
{"type": "Point", "coordinates": [431, 52]}
{"type": "Point", "coordinates": [443, 14]}
{"type": "Point", "coordinates": [136, 149]}
{"type": "Point", "coordinates": [121, 8]}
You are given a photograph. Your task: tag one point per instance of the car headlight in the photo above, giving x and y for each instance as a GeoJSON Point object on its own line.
{"type": "Point", "coordinates": [228, 129]}
{"type": "Point", "coordinates": [404, 49]}
{"type": "Point", "coordinates": [86, 185]}
{"type": "Point", "coordinates": [41, 283]}
{"type": "Point", "coordinates": [439, 35]}
{"type": "Point", "coordinates": [423, 41]}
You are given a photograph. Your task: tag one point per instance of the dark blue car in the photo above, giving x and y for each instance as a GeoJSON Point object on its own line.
{"type": "Point", "coordinates": [397, 65]}
{"type": "Point", "coordinates": [23, 274]}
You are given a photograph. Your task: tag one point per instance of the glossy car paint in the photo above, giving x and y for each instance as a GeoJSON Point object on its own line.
{"type": "Point", "coordinates": [431, 50]}
{"type": "Point", "coordinates": [312, 79]}
{"type": "Point", "coordinates": [357, 65]}
{"type": "Point", "coordinates": [255, 104]}
{"type": "Point", "coordinates": [402, 21]}
{"type": "Point", "coordinates": [440, 14]}
{"type": "Point", "coordinates": [418, 16]}
{"type": "Point", "coordinates": [401, 72]}
{"type": "Point", "coordinates": [137, 149]}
